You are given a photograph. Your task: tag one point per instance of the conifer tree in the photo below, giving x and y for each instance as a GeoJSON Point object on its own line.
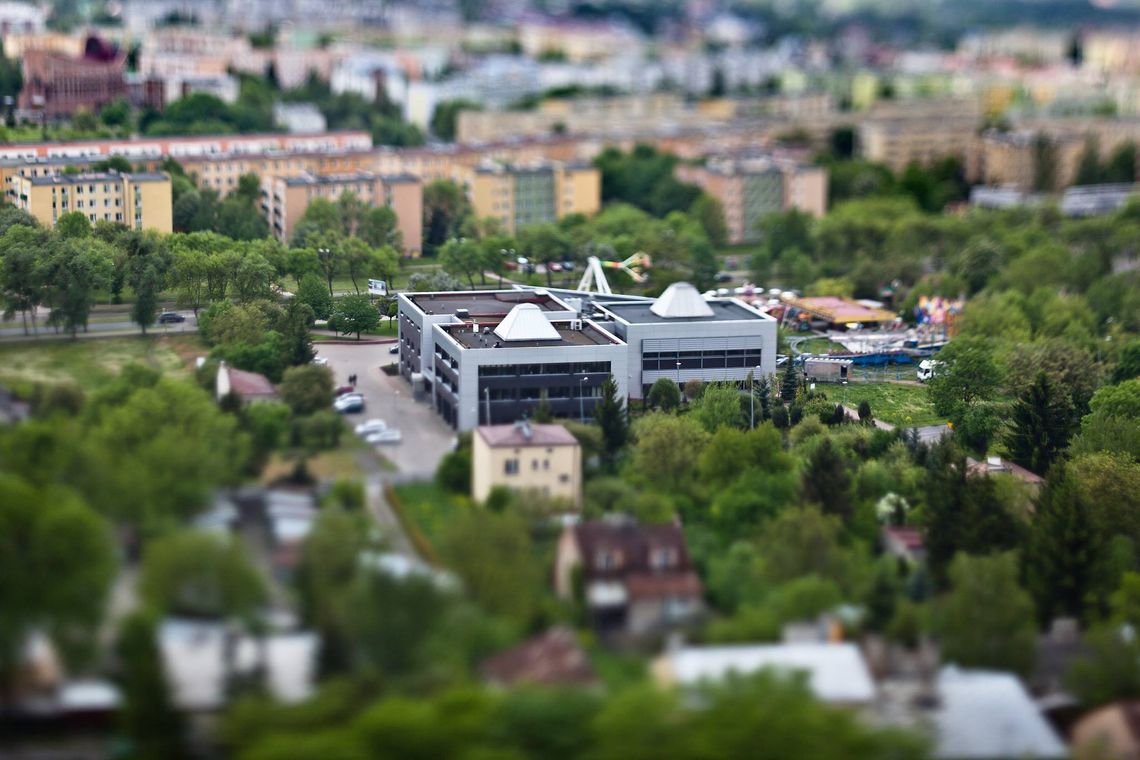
{"type": "Point", "coordinates": [1061, 556]}
{"type": "Point", "coordinates": [789, 384]}
{"type": "Point", "coordinates": [613, 419]}
{"type": "Point", "coordinates": [1040, 426]}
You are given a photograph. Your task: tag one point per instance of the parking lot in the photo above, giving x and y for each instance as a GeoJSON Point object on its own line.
{"type": "Point", "coordinates": [425, 436]}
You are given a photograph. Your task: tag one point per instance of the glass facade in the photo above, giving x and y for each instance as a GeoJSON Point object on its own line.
{"type": "Point", "coordinates": [714, 359]}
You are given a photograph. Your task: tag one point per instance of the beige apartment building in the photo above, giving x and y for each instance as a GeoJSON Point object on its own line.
{"type": "Point", "coordinates": [921, 131]}
{"type": "Point", "coordinates": [897, 143]}
{"type": "Point", "coordinates": [527, 457]}
{"type": "Point", "coordinates": [593, 116]}
{"type": "Point", "coordinates": [221, 172]}
{"type": "Point", "coordinates": [140, 201]}
{"type": "Point", "coordinates": [284, 200]}
{"type": "Point", "coordinates": [751, 188]}
{"type": "Point", "coordinates": [523, 195]}
{"type": "Point", "coordinates": [1011, 159]}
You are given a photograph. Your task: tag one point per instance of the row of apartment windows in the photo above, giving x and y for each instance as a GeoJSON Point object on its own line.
{"type": "Point", "coordinates": [718, 359]}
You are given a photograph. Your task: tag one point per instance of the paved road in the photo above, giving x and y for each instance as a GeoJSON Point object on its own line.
{"type": "Point", "coordinates": [425, 437]}
{"type": "Point", "coordinates": [15, 328]}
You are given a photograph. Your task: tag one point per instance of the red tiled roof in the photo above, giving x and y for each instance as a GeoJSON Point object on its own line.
{"type": "Point", "coordinates": [509, 436]}
{"type": "Point", "coordinates": [908, 537]}
{"type": "Point", "coordinates": [654, 585]}
{"type": "Point", "coordinates": [250, 383]}
{"type": "Point", "coordinates": [552, 658]}
{"type": "Point", "coordinates": [631, 544]}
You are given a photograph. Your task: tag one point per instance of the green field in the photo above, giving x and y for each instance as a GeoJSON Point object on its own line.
{"type": "Point", "coordinates": [92, 361]}
{"type": "Point", "coordinates": [898, 404]}
{"type": "Point", "coordinates": [429, 508]}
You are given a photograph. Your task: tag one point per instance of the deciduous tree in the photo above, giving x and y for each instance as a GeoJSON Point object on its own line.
{"type": "Point", "coordinates": [56, 566]}
{"type": "Point", "coordinates": [355, 314]}
{"type": "Point", "coordinates": [201, 575]}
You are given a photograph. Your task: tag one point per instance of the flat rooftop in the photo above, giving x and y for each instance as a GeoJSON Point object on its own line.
{"type": "Point", "coordinates": [587, 336]}
{"type": "Point", "coordinates": [82, 179]}
{"type": "Point", "coordinates": [640, 313]}
{"type": "Point", "coordinates": [484, 304]}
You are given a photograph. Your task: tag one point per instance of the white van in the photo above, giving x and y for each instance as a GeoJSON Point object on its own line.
{"type": "Point", "coordinates": [927, 369]}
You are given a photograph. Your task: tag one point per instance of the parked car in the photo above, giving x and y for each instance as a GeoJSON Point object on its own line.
{"type": "Point", "coordinates": [927, 370]}
{"type": "Point", "coordinates": [723, 277]}
{"type": "Point", "coordinates": [384, 436]}
{"type": "Point", "coordinates": [320, 361]}
{"type": "Point", "coordinates": [349, 403]}
{"type": "Point", "coordinates": [342, 390]}
{"type": "Point", "coordinates": [370, 427]}
{"type": "Point", "coordinates": [170, 317]}
{"type": "Point", "coordinates": [394, 349]}
{"type": "Point", "coordinates": [568, 266]}
{"type": "Point", "coordinates": [781, 360]}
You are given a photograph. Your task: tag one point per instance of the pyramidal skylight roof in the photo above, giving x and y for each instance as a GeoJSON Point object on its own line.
{"type": "Point", "coordinates": [681, 300]}
{"type": "Point", "coordinates": [526, 322]}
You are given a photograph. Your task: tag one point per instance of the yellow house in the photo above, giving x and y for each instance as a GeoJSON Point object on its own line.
{"type": "Point", "coordinates": [139, 201]}
{"type": "Point", "coordinates": [542, 459]}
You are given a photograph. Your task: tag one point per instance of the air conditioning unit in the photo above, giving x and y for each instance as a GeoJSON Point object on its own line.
{"type": "Point", "coordinates": [575, 324]}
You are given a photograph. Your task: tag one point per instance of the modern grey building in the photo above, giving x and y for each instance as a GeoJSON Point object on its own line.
{"type": "Point", "coordinates": [684, 336]}
{"type": "Point", "coordinates": [489, 357]}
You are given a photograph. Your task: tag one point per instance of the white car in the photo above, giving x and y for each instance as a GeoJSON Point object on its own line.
{"type": "Point", "coordinates": [320, 361]}
{"type": "Point", "coordinates": [384, 436]}
{"type": "Point", "coordinates": [349, 402]}
{"type": "Point", "coordinates": [371, 426]}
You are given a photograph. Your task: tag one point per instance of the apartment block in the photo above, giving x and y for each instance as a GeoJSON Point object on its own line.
{"type": "Point", "coordinates": [1013, 159]}
{"type": "Point", "coordinates": [897, 143]}
{"type": "Point", "coordinates": [520, 196]}
{"type": "Point", "coordinates": [285, 199]}
{"type": "Point", "coordinates": [139, 201]}
{"type": "Point", "coordinates": [581, 116]}
{"type": "Point", "coordinates": [185, 148]}
{"type": "Point", "coordinates": [922, 131]}
{"type": "Point", "coordinates": [751, 188]}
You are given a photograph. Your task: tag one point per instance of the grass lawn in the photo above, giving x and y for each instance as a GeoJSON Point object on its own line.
{"type": "Point", "coordinates": [902, 405]}
{"type": "Point", "coordinates": [325, 466]}
{"type": "Point", "coordinates": [429, 507]}
{"type": "Point", "coordinates": [91, 362]}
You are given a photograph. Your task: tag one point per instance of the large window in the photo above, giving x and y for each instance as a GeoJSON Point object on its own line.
{"type": "Point", "coordinates": [667, 361]}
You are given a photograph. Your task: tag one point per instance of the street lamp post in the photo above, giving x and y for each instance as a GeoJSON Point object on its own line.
{"type": "Point", "coordinates": [751, 401]}
{"type": "Point", "coordinates": [582, 398]}
{"type": "Point", "coordinates": [678, 374]}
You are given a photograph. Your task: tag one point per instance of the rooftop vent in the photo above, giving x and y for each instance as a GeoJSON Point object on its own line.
{"type": "Point", "coordinates": [680, 301]}
{"type": "Point", "coordinates": [526, 322]}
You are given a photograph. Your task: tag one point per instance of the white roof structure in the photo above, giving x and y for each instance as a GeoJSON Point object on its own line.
{"type": "Point", "coordinates": [193, 653]}
{"type": "Point", "coordinates": [836, 673]}
{"type": "Point", "coordinates": [526, 322]}
{"type": "Point", "coordinates": [681, 301]}
{"type": "Point", "coordinates": [986, 714]}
